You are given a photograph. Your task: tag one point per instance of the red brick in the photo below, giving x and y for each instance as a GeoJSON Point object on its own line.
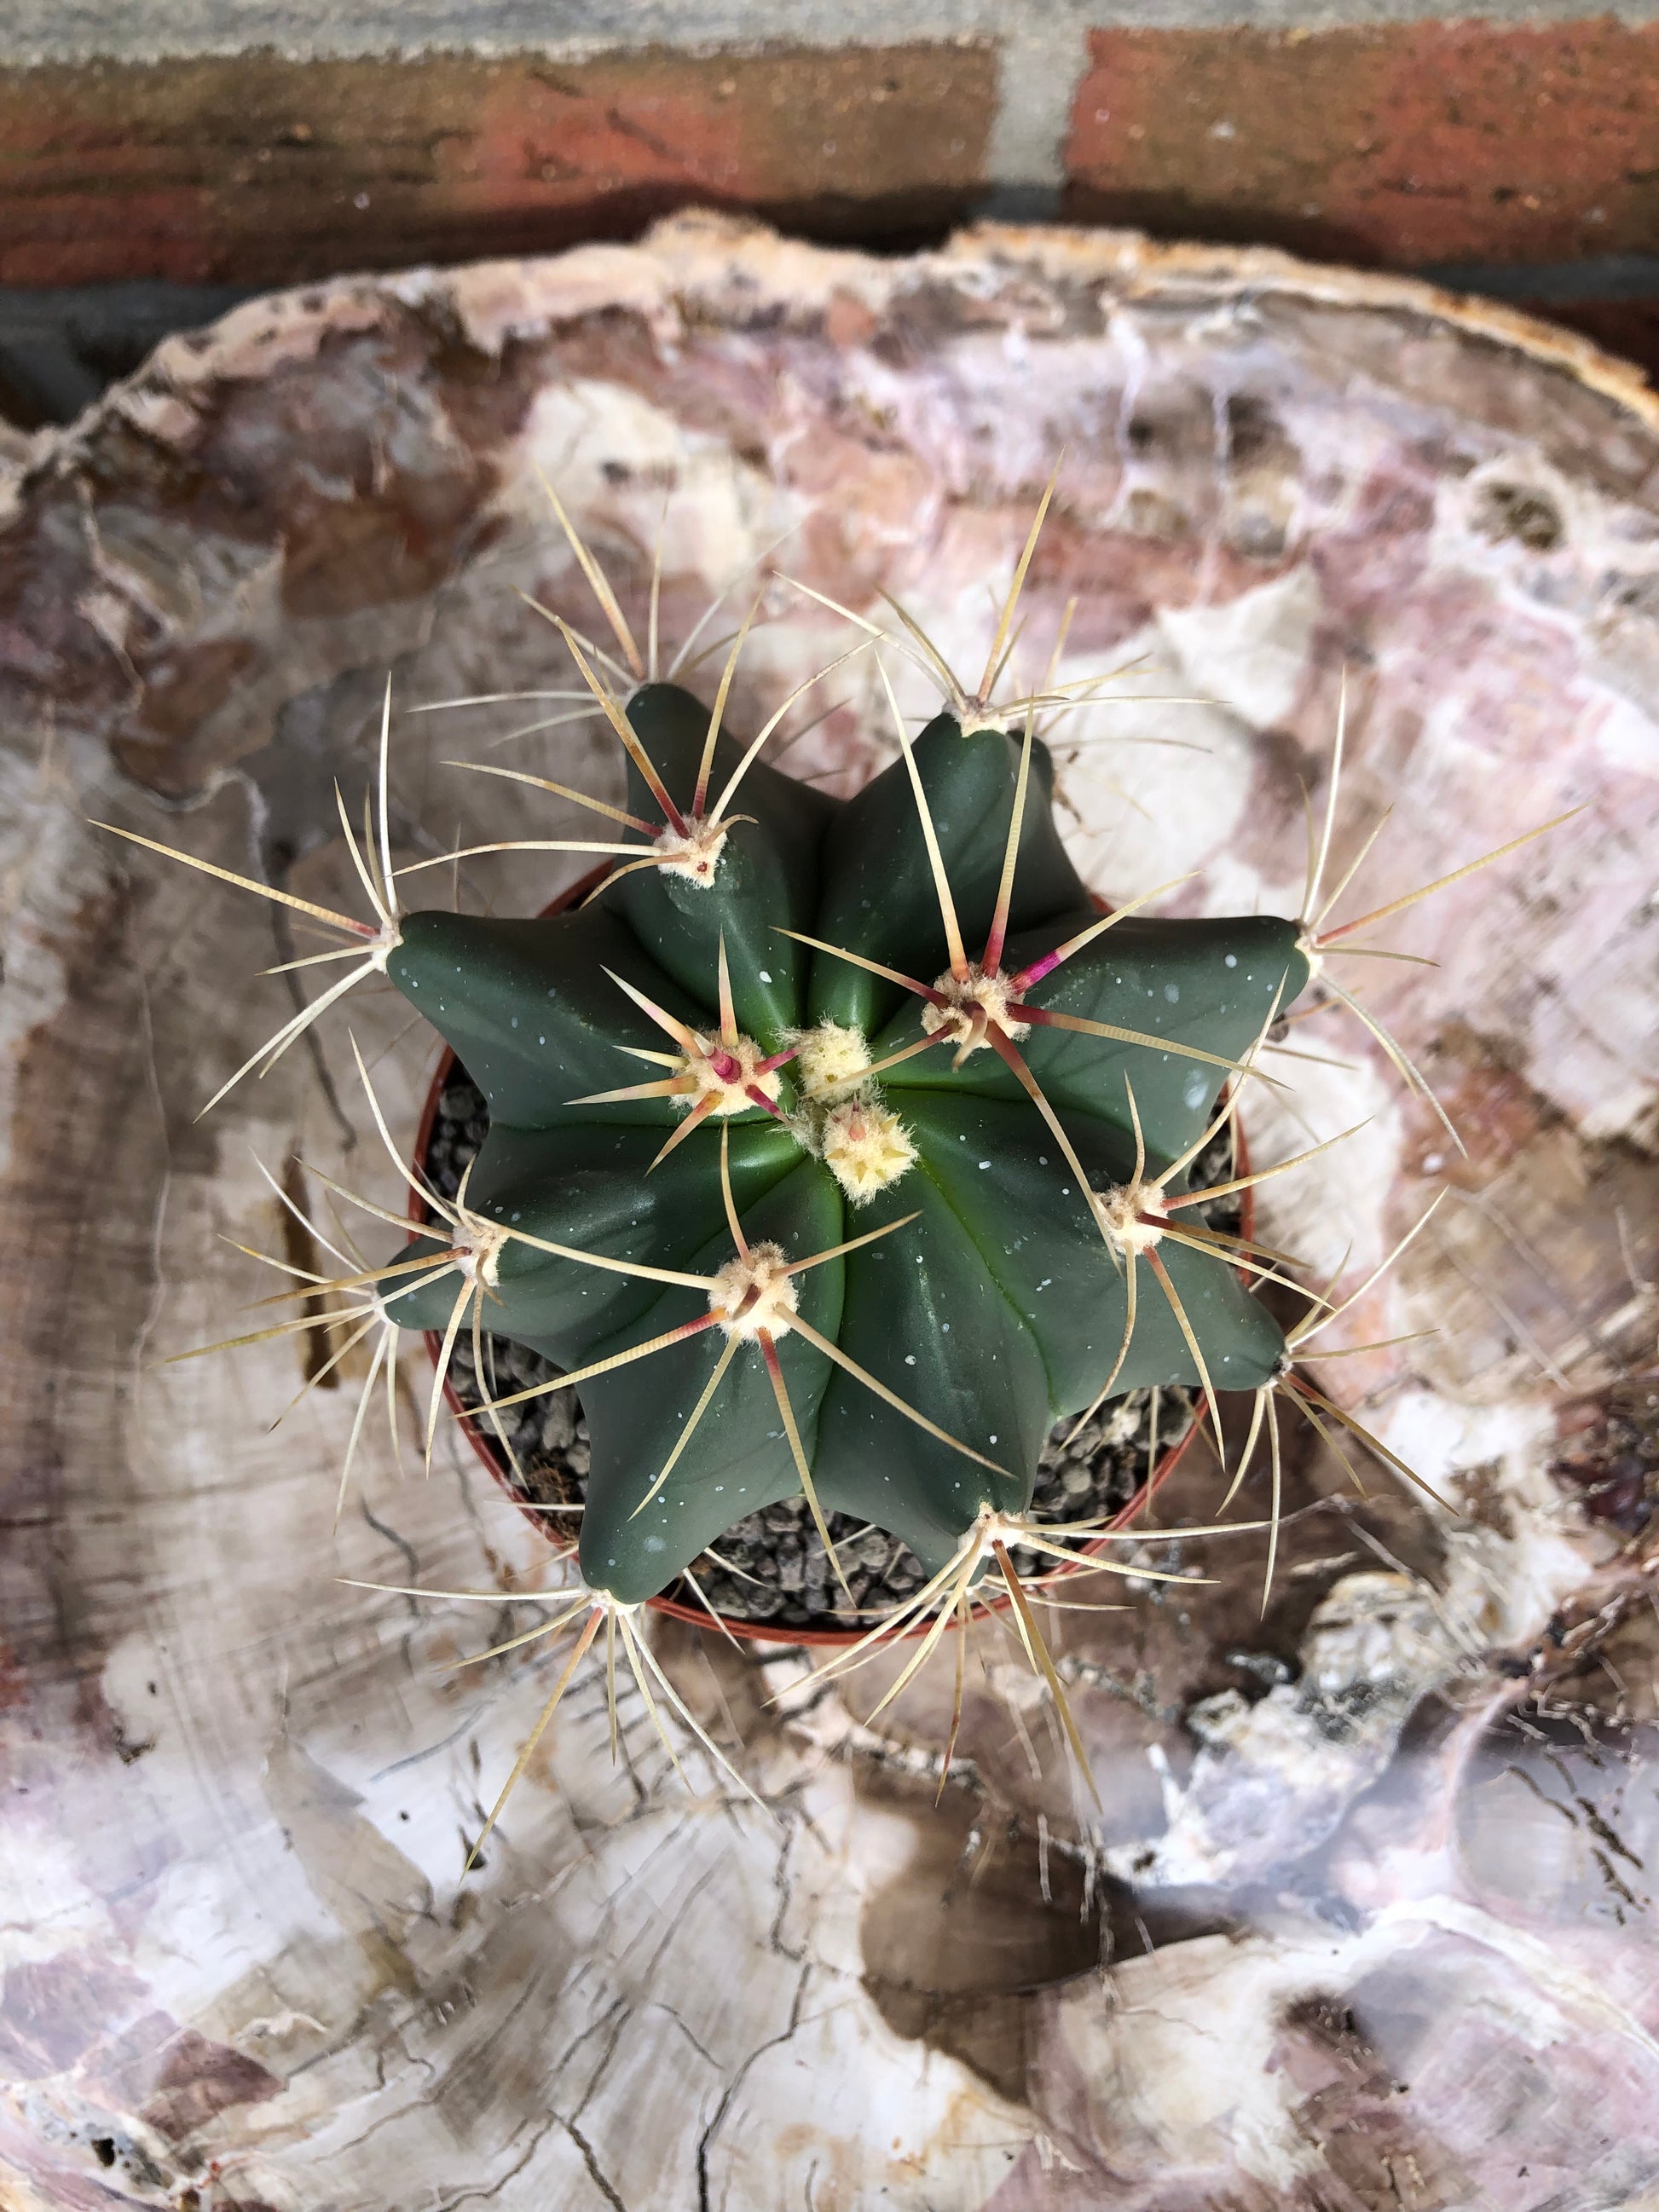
{"type": "Point", "coordinates": [1395, 145]}
{"type": "Point", "coordinates": [258, 170]}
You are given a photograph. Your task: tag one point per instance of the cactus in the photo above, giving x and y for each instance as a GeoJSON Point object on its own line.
{"type": "Point", "coordinates": [880, 1233]}
{"type": "Point", "coordinates": [837, 1148]}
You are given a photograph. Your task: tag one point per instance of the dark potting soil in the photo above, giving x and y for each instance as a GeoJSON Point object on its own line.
{"type": "Point", "coordinates": [773, 1567]}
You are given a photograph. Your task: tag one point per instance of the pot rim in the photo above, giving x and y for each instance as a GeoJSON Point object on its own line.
{"type": "Point", "coordinates": [709, 1620]}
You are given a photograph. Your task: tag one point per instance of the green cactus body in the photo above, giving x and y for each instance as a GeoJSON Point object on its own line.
{"type": "Point", "coordinates": [1000, 1307]}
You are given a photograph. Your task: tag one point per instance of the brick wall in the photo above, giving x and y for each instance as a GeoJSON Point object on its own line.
{"type": "Point", "coordinates": [1525, 153]}
{"type": "Point", "coordinates": [1391, 145]}
{"type": "Point", "coordinates": [258, 170]}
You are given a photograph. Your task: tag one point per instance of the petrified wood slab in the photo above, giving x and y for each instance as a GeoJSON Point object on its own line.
{"type": "Point", "coordinates": [1364, 1918]}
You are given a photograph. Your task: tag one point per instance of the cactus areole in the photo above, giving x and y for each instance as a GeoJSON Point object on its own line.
{"type": "Point", "coordinates": [811, 1024]}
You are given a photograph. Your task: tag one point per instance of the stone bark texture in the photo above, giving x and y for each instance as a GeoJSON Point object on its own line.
{"type": "Point", "coordinates": [1365, 1918]}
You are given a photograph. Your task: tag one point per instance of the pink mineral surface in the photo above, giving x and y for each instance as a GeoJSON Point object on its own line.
{"type": "Point", "coordinates": [1366, 1919]}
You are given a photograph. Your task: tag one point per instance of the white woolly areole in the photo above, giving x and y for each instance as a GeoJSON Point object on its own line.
{"type": "Point", "coordinates": [973, 1002]}
{"type": "Point", "coordinates": [478, 1243]}
{"type": "Point", "coordinates": [1311, 953]}
{"type": "Point", "coordinates": [1120, 1212]}
{"type": "Point", "coordinates": [389, 940]}
{"type": "Point", "coordinates": [754, 1292]}
{"type": "Point", "coordinates": [693, 853]}
{"type": "Point", "coordinates": [866, 1147]}
{"type": "Point", "coordinates": [828, 1059]}
{"type": "Point", "coordinates": [727, 1073]}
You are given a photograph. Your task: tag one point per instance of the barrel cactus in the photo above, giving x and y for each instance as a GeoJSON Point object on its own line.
{"type": "Point", "coordinates": [881, 1210]}
{"type": "Point", "coordinates": [837, 1148]}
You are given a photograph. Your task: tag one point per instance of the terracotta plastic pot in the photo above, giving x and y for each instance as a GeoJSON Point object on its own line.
{"type": "Point", "coordinates": [761, 1632]}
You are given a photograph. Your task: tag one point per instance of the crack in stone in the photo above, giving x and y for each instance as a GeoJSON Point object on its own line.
{"type": "Point", "coordinates": [783, 1881]}
{"type": "Point", "coordinates": [593, 2165]}
{"type": "Point", "coordinates": [705, 2142]}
